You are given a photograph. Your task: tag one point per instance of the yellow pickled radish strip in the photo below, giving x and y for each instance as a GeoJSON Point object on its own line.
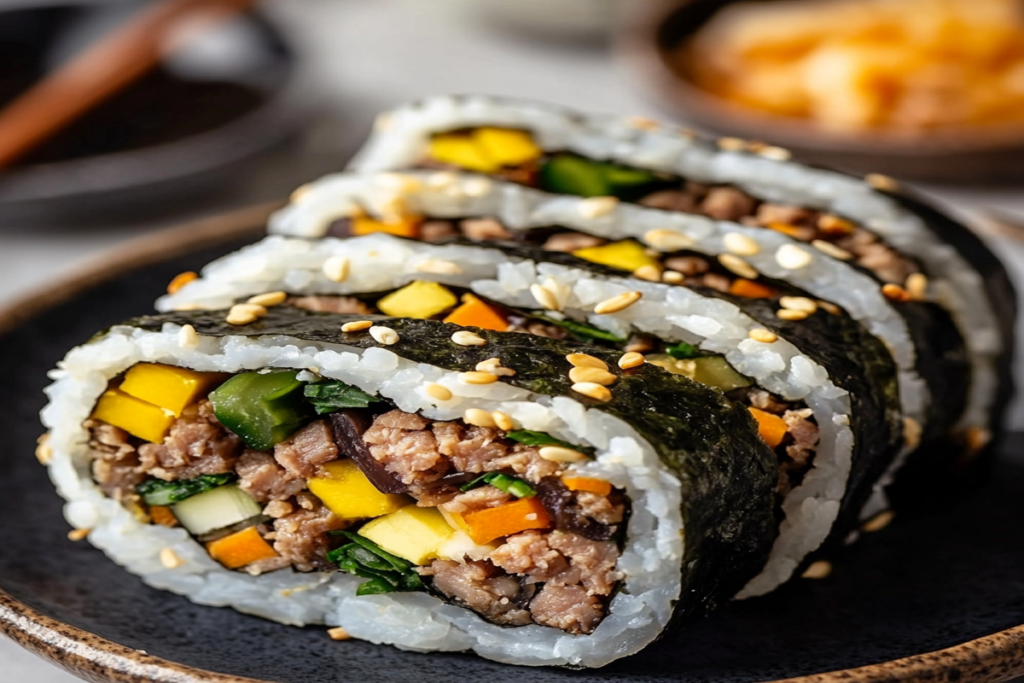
{"type": "Point", "coordinates": [462, 151]}
{"type": "Point", "coordinates": [625, 255]}
{"type": "Point", "coordinates": [137, 417]}
{"type": "Point", "coordinates": [507, 146]}
{"type": "Point", "coordinates": [167, 386]}
{"type": "Point", "coordinates": [350, 495]}
{"type": "Point", "coordinates": [420, 299]}
{"type": "Point", "coordinates": [413, 533]}
{"type": "Point", "coordinates": [407, 226]}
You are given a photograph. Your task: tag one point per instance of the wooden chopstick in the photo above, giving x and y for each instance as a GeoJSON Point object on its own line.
{"type": "Point", "coordinates": [96, 74]}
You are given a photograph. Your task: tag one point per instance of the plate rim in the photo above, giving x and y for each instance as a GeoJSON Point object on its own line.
{"type": "Point", "coordinates": [990, 659]}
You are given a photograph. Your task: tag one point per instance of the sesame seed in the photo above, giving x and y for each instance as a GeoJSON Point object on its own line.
{"type": "Point", "coordinates": [478, 418]}
{"type": "Point", "coordinates": [818, 570]}
{"type": "Point", "coordinates": [561, 454]}
{"type": "Point", "coordinates": [829, 307]}
{"type": "Point", "coordinates": [585, 360]}
{"type": "Point", "coordinates": [493, 365]}
{"type": "Point", "coordinates": [187, 337]}
{"type": "Point", "coordinates": [476, 377]}
{"type": "Point", "coordinates": [762, 335]}
{"type": "Point", "coordinates": [649, 272]}
{"type": "Point", "coordinates": [790, 314]}
{"type": "Point", "coordinates": [170, 559]}
{"type": "Point", "coordinates": [643, 123]}
{"type": "Point", "coordinates": [476, 187]}
{"type": "Point", "coordinates": [895, 292]}
{"type": "Point", "coordinates": [267, 300]}
{"type": "Point", "coordinates": [631, 360]}
{"type": "Point", "coordinates": [300, 192]}
{"type": "Point", "coordinates": [593, 390]}
{"type": "Point", "coordinates": [243, 314]}
{"type": "Point", "coordinates": [737, 265]}
{"type": "Point", "coordinates": [594, 375]}
{"type": "Point", "coordinates": [878, 522]}
{"type": "Point", "coordinates": [741, 244]}
{"type": "Point", "coordinates": [617, 303]}
{"type": "Point", "coordinates": [911, 432]}
{"type": "Point", "coordinates": [545, 297]}
{"type": "Point", "coordinates": [467, 338]}
{"type": "Point", "coordinates": [502, 420]}
{"type": "Point", "coordinates": [881, 182]}
{"type": "Point", "coordinates": [397, 182]}
{"type": "Point", "coordinates": [441, 180]}
{"type": "Point", "coordinates": [180, 280]}
{"type": "Point", "coordinates": [338, 633]}
{"type": "Point", "coordinates": [668, 240]}
{"type": "Point", "coordinates": [732, 144]}
{"type": "Point", "coordinates": [438, 392]}
{"type": "Point", "coordinates": [433, 265]}
{"type": "Point", "coordinates": [383, 335]}
{"type": "Point", "coordinates": [829, 249]}
{"type": "Point", "coordinates": [190, 306]}
{"type": "Point", "coordinates": [357, 326]}
{"type": "Point", "coordinates": [673, 277]}
{"type": "Point", "coordinates": [78, 534]}
{"type": "Point", "coordinates": [799, 303]}
{"type": "Point", "coordinates": [336, 268]}
{"type": "Point", "coordinates": [792, 257]}
{"type": "Point", "coordinates": [595, 207]}
{"type": "Point", "coordinates": [917, 286]}
{"type": "Point", "coordinates": [44, 454]}
{"type": "Point", "coordinates": [776, 153]}
{"type": "Point", "coordinates": [835, 225]}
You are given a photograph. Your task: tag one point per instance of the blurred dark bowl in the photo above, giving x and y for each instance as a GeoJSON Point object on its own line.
{"type": "Point", "coordinates": [166, 138]}
{"type": "Point", "coordinates": [656, 28]}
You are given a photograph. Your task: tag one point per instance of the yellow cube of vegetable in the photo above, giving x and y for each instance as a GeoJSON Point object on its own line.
{"type": "Point", "coordinates": [407, 226]}
{"type": "Point", "coordinates": [137, 417]}
{"type": "Point", "coordinates": [167, 386]}
{"type": "Point", "coordinates": [462, 151]}
{"type": "Point", "coordinates": [627, 255]}
{"type": "Point", "coordinates": [349, 494]}
{"type": "Point", "coordinates": [419, 299]}
{"type": "Point", "coordinates": [507, 146]}
{"type": "Point", "coordinates": [413, 533]}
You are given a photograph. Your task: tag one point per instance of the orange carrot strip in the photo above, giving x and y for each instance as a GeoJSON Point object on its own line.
{"type": "Point", "coordinates": [476, 313]}
{"type": "Point", "coordinates": [785, 229]}
{"type": "Point", "coordinates": [162, 515]}
{"type": "Point", "coordinates": [407, 226]}
{"type": "Point", "coordinates": [180, 280]}
{"type": "Point", "coordinates": [491, 523]}
{"type": "Point", "coordinates": [771, 428]}
{"type": "Point", "coordinates": [240, 548]}
{"type": "Point", "coordinates": [749, 288]}
{"type": "Point", "coordinates": [598, 486]}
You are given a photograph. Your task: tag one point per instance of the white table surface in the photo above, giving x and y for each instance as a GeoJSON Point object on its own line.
{"type": "Point", "coordinates": [364, 56]}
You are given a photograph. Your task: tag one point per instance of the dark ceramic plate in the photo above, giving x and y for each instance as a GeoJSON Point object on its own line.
{"type": "Point", "coordinates": [942, 593]}
{"type": "Point", "coordinates": [656, 28]}
{"type": "Point", "coordinates": [180, 128]}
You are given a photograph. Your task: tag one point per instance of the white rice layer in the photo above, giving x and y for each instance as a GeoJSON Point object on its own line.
{"type": "Point", "coordinates": [650, 560]}
{"type": "Point", "coordinates": [400, 140]}
{"type": "Point", "coordinates": [381, 262]}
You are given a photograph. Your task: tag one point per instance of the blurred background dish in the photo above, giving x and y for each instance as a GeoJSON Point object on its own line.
{"type": "Point", "coordinates": [176, 132]}
{"type": "Point", "coordinates": [923, 89]}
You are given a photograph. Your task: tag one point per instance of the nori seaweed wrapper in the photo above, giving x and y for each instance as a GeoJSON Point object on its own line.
{"type": "Point", "coordinates": [710, 443]}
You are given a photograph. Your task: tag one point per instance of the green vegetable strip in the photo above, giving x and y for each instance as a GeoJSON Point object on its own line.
{"type": "Point", "coordinates": [509, 484]}
{"type": "Point", "coordinates": [531, 438]}
{"type": "Point", "coordinates": [683, 351]}
{"type": "Point", "coordinates": [581, 331]}
{"type": "Point", "coordinates": [160, 492]}
{"type": "Point", "coordinates": [331, 396]}
{"type": "Point", "coordinates": [364, 558]}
